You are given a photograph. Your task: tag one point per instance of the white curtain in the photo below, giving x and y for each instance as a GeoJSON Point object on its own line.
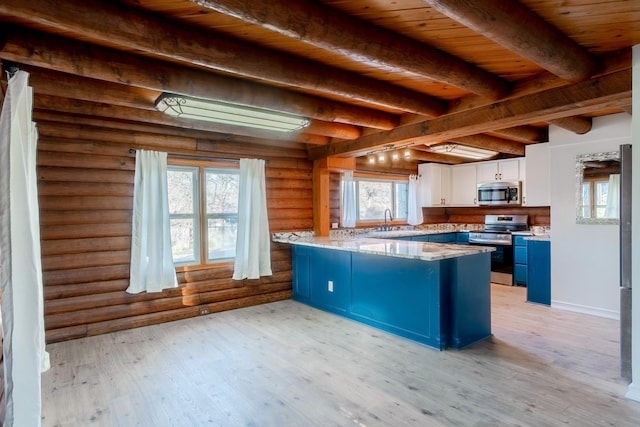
{"type": "Point", "coordinates": [414, 214]}
{"type": "Point", "coordinates": [612, 209]}
{"type": "Point", "coordinates": [21, 265]}
{"type": "Point", "coordinates": [348, 200]}
{"type": "Point", "coordinates": [253, 245]}
{"type": "Point", "coordinates": [152, 268]}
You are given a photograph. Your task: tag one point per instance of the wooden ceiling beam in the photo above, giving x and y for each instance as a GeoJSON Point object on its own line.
{"type": "Point", "coordinates": [324, 27]}
{"type": "Point", "coordinates": [487, 142]}
{"type": "Point", "coordinates": [56, 53]}
{"type": "Point", "coordinates": [520, 30]}
{"type": "Point", "coordinates": [612, 90]}
{"type": "Point", "coordinates": [424, 155]}
{"type": "Point", "coordinates": [94, 109]}
{"type": "Point", "coordinates": [576, 124]}
{"type": "Point", "coordinates": [107, 23]}
{"type": "Point", "coordinates": [524, 134]}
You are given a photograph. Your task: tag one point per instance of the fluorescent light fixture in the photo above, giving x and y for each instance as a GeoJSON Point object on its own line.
{"type": "Point", "coordinates": [462, 151]}
{"type": "Point", "coordinates": [186, 107]}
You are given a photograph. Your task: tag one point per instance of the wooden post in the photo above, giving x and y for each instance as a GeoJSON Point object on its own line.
{"type": "Point", "coordinates": [321, 187]}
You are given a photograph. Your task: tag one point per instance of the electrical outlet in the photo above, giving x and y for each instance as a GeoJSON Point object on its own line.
{"type": "Point", "coordinates": [330, 285]}
{"type": "Point", "coordinates": [204, 310]}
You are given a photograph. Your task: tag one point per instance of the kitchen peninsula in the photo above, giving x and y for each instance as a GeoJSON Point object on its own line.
{"type": "Point", "coordinates": [436, 294]}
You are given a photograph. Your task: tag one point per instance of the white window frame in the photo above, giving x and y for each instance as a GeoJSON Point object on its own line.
{"type": "Point", "coordinates": [199, 215]}
{"type": "Point", "coordinates": [386, 179]}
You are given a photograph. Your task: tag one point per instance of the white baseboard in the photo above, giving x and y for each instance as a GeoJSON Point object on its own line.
{"type": "Point", "coordinates": [633, 392]}
{"type": "Point", "coordinates": [593, 311]}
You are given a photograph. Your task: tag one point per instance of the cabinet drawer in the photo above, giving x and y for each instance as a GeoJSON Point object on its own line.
{"type": "Point", "coordinates": [520, 274]}
{"type": "Point", "coordinates": [443, 238]}
{"type": "Point", "coordinates": [520, 255]}
{"type": "Point", "coordinates": [518, 240]}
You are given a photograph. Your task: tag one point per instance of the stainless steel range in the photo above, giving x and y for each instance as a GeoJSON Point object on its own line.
{"type": "Point", "coordinates": [497, 233]}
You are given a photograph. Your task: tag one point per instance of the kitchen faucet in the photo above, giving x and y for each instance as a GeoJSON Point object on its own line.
{"type": "Point", "coordinates": [387, 227]}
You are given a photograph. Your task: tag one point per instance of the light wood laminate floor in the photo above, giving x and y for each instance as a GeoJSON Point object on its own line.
{"type": "Point", "coordinates": [286, 364]}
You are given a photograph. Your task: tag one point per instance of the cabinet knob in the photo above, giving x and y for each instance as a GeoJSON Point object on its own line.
{"type": "Point", "coordinates": [496, 176]}
{"type": "Point", "coordinates": [475, 201]}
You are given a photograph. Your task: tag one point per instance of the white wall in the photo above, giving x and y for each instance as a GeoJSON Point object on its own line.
{"type": "Point", "coordinates": [584, 258]}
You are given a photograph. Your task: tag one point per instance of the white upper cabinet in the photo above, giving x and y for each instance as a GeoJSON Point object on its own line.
{"type": "Point", "coordinates": [499, 170]}
{"type": "Point", "coordinates": [538, 184]}
{"type": "Point", "coordinates": [463, 185]}
{"type": "Point", "coordinates": [435, 184]}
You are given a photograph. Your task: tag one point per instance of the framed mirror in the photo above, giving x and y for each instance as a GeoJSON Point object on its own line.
{"type": "Point", "coordinates": [598, 188]}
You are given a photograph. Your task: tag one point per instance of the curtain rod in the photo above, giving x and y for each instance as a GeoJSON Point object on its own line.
{"type": "Point", "coordinates": [197, 157]}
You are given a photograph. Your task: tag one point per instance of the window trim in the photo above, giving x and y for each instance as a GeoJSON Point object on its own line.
{"type": "Point", "coordinates": [203, 262]}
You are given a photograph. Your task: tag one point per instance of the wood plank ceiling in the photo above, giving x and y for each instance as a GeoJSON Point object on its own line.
{"type": "Point", "coordinates": [370, 74]}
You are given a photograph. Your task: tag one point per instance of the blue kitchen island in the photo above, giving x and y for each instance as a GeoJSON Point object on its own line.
{"type": "Point", "coordinates": [436, 294]}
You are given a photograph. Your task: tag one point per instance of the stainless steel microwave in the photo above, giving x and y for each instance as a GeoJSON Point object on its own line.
{"type": "Point", "coordinates": [499, 193]}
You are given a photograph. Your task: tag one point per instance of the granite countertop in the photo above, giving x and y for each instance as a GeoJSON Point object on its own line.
{"type": "Point", "coordinates": [540, 237]}
{"type": "Point", "coordinates": [388, 247]}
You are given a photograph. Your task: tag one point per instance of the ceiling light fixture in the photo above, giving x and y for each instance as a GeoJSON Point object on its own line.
{"type": "Point", "coordinates": [186, 107]}
{"type": "Point", "coordinates": [462, 151]}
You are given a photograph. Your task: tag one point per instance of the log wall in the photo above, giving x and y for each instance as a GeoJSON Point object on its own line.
{"type": "Point", "coordinates": [85, 178]}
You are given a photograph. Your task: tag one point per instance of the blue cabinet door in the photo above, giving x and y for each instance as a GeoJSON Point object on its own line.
{"type": "Point", "coordinates": [443, 238]}
{"type": "Point", "coordinates": [462, 237]}
{"type": "Point", "coordinates": [520, 276]}
{"type": "Point", "coordinates": [539, 271]}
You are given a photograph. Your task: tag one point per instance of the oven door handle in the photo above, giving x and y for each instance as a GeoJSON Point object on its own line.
{"type": "Point", "coordinates": [490, 242]}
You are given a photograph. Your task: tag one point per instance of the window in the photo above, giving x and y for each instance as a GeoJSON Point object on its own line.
{"type": "Point", "coordinates": [374, 196]}
{"type": "Point", "coordinates": [594, 198]}
{"type": "Point", "coordinates": [203, 211]}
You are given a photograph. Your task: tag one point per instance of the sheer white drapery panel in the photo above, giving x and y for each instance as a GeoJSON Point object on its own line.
{"type": "Point", "coordinates": [152, 268]}
{"type": "Point", "coordinates": [414, 208]}
{"type": "Point", "coordinates": [253, 244]}
{"type": "Point", "coordinates": [349, 214]}
{"type": "Point", "coordinates": [21, 265]}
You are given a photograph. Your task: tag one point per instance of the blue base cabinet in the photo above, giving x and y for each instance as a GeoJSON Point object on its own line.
{"type": "Point", "coordinates": [520, 275]}
{"type": "Point", "coordinates": [539, 271]}
{"type": "Point", "coordinates": [443, 304]}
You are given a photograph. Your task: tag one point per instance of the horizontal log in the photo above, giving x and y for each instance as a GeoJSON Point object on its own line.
{"type": "Point", "coordinates": [289, 214]}
{"type": "Point", "coordinates": [229, 149]}
{"type": "Point", "coordinates": [120, 136]}
{"type": "Point", "coordinates": [84, 189]}
{"type": "Point", "coordinates": [284, 202]}
{"type": "Point", "coordinates": [287, 173]}
{"type": "Point", "coordinates": [297, 224]}
{"type": "Point", "coordinates": [86, 275]}
{"type": "Point", "coordinates": [95, 216]}
{"type": "Point", "coordinates": [78, 174]}
{"type": "Point", "coordinates": [86, 259]}
{"type": "Point", "coordinates": [296, 193]}
{"type": "Point", "coordinates": [74, 332]}
{"type": "Point", "coordinates": [81, 231]}
{"type": "Point", "coordinates": [77, 289]}
{"type": "Point", "coordinates": [136, 308]}
{"type": "Point", "coordinates": [63, 203]}
{"type": "Point", "coordinates": [488, 142]}
{"type": "Point", "coordinates": [72, 160]}
{"type": "Point", "coordinates": [87, 245]}
{"type": "Point", "coordinates": [288, 183]}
